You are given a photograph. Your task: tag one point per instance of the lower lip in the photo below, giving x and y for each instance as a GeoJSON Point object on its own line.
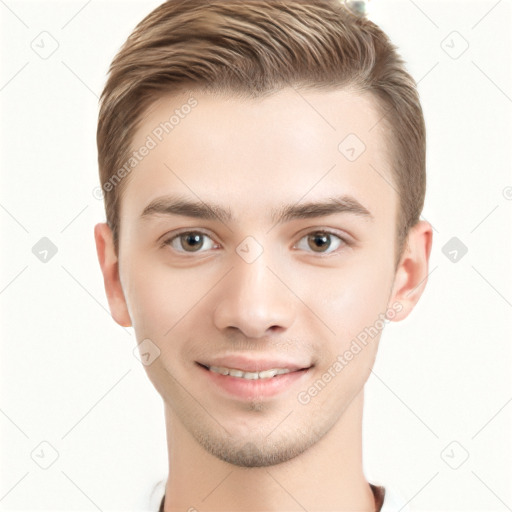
{"type": "Point", "coordinates": [255, 388]}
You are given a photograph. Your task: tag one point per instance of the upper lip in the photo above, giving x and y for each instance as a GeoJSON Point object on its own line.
{"type": "Point", "coordinates": [253, 364]}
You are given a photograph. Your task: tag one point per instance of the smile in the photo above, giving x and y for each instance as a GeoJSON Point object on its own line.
{"type": "Point", "coordinates": [233, 372]}
{"type": "Point", "coordinates": [250, 385]}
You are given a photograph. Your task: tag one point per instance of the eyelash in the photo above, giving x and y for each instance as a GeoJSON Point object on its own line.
{"type": "Point", "coordinates": [344, 241]}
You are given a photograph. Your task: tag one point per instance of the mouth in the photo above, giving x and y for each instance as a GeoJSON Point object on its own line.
{"type": "Point", "coordinates": [241, 374]}
{"type": "Point", "coordinates": [247, 385]}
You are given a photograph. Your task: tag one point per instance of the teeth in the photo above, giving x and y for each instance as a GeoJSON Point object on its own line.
{"type": "Point", "coordinates": [265, 374]}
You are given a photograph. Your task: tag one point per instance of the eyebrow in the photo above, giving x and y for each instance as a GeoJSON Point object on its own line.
{"type": "Point", "coordinates": [177, 205]}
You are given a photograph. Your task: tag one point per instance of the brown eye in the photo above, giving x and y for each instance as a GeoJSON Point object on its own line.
{"type": "Point", "coordinates": [322, 242]}
{"type": "Point", "coordinates": [319, 241]}
{"type": "Point", "coordinates": [190, 241]}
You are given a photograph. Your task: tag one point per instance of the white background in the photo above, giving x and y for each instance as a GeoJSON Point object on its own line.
{"type": "Point", "coordinates": [68, 374]}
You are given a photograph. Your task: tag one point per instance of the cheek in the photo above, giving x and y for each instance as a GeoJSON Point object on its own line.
{"type": "Point", "coordinates": [352, 299]}
{"type": "Point", "coordinates": [352, 303]}
{"type": "Point", "coordinates": [155, 299]}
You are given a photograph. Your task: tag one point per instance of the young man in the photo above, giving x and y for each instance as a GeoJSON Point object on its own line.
{"type": "Point", "coordinates": [263, 164]}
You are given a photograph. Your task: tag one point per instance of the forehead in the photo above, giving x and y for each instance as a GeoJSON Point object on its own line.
{"type": "Point", "coordinates": [253, 154]}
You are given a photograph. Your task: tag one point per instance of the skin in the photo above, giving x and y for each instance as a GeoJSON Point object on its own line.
{"type": "Point", "coordinates": [307, 301]}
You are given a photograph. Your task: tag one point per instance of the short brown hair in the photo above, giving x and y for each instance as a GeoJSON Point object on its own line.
{"type": "Point", "coordinates": [254, 48]}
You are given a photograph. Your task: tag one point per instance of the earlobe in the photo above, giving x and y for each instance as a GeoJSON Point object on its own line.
{"type": "Point", "coordinates": [412, 272]}
{"type": "Point", "coordinates": [110, 269]}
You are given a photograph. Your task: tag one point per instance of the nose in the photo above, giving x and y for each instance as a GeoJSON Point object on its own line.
{"type": "Point", "coordinates": [254, 299]}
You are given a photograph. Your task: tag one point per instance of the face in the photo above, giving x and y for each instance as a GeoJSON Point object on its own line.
{"type": "Point", "coordinates": [258, 235]}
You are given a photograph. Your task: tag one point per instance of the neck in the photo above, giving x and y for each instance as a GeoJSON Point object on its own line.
{"type": "Point", "coordinates": [327, 476]}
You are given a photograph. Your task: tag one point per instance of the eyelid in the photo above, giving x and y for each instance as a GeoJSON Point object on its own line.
{"type": "Point", "coordinates": [170, 236]}
{"type": "Point", "coordinates": [343, 235]}
{"type": "Point", "coordinates": [166, 240]}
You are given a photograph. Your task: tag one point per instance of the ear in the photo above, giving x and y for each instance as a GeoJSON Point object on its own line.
{"type": "Point", "coordinates": [110, 268]}
{"type": "Point", "coordinates": [412, 272]}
